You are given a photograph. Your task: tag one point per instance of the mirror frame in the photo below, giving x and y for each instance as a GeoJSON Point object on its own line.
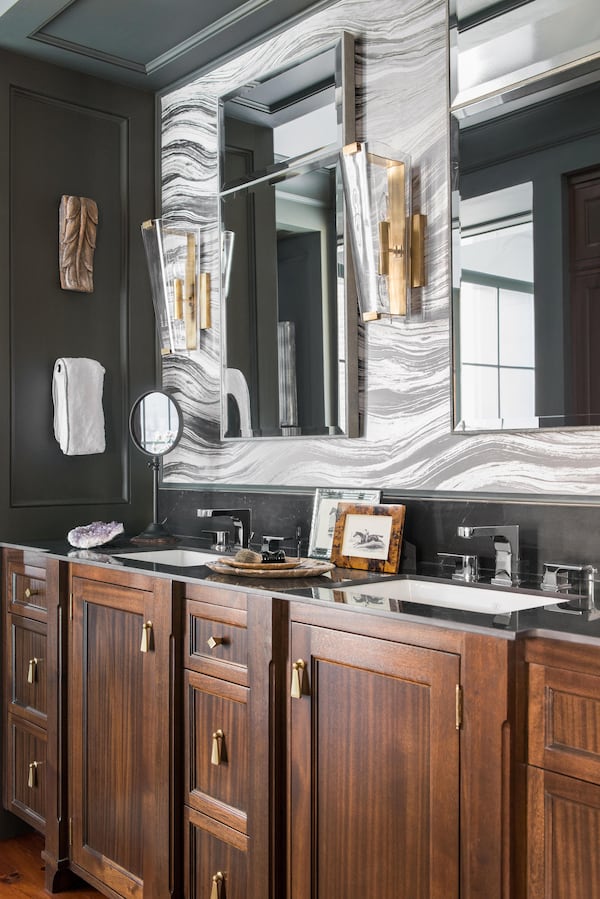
{"type": "Point", "coordinates": [347, 403]}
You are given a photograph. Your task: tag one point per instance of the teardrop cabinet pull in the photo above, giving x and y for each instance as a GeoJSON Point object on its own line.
{"type": "Point", "coordinates": [147, 644]}
{"type": "Point", "coordinates": [218, 886]}
{"type": "Point", "coordinates": [297, 679]}
{"type": "Point", "coordinates": [217, 747]}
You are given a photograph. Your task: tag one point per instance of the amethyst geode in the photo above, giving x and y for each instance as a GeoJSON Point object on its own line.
{"type": "Point", "coordinates": [95, 534]}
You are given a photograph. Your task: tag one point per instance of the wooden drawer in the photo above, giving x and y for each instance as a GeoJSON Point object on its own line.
{"type": "Point", "coordinates": [25, 776]}
{"type": "Point", "coordinates": [26, 585]}
{"type": "Point", "coordinates": [564, 721]}
{"type": "Point", "coordinates": [563, 848]}
{"type": "Point", "coordinates": [28, 662]}
{"type": "Point", "coordinates": [215, 859]}
{"type": "Point", "coordinates": [216, 641]}
{"type": "Point", "coordinates": [216, 727]}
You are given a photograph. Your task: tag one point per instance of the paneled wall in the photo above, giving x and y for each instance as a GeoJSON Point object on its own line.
{"type": "Point", "coordinates": [65, 133]}
{"type": "Point", "coordinates": [407, 443]}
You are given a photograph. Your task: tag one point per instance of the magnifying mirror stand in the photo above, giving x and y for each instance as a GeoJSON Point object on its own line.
{"type": "Point", "coordinates": [155, 532]}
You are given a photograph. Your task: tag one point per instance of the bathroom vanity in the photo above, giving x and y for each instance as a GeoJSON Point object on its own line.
{"type": "Point", "coordinates": [176, 733]}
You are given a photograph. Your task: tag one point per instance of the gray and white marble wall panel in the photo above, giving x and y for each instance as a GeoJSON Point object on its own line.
{"type": "Point", "coordinates": [405, 369]}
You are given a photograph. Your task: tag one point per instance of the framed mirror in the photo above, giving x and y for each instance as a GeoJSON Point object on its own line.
{"type": "Point", "coordinates": [525, 177]}
{"type": "Point", "coordinates": [155, 427]}
{"type": "Point", "coordinates": [289, 313]}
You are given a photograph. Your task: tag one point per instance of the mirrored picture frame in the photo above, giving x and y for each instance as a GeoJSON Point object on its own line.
{"type": "Point", "coordinates": [325, 513]}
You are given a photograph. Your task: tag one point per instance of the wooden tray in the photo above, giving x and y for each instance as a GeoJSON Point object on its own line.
{"type": "Point", "coordinates": [305, 568]}
{"type": "Point", "coordinates": [261, 566]}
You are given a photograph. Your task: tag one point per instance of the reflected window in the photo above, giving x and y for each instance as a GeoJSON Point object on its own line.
{"type": "Point", "coordinates": [497, 369]}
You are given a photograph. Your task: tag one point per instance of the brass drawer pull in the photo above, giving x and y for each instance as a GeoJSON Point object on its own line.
{"type": "Point", "coordinates": [32, 670]}
{"type": "Point", "coordinates": [217, 747]}
{"type": "Point", "coordinates": [29, 592]}
{"type": "Point", "coordinates": [213, 642]}
{"type": "Point", "coordinates": [32, 778]}
{"type": "Point", "coordinates": [147, 644]}
{"type": "Point", "coordinates": [218, 886]}
{"type": "Point", "coordinates": [297, 688]}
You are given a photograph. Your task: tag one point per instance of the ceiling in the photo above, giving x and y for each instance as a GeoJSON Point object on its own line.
{"type": "Point", "coordinates": [149, 44]}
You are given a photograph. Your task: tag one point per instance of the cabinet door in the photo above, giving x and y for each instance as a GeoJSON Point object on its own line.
{"type": "Point", "coordinates": [374, 774]}
{"type": "Point", "coordinates": [120, 705]}
{"type": "Point", "coordinates": [563, 837]}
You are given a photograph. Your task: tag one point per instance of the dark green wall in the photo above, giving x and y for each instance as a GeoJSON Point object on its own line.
{"type": "Point", "coordinates": [65, 133]}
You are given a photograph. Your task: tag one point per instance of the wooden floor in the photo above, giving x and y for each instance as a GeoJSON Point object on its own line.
{"type": "Point", "coordinates": [22, 871]}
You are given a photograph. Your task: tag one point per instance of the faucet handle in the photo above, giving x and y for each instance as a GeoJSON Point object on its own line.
{"type": "Point", "coordinates": [466, 566]}
{"type": "Point", "coordinates": [561, 576]}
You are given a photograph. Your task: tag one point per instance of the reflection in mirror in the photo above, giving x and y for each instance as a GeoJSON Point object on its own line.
{"type": "Point", "coordinates": [526, 216]}
{"type": "Point", "coordinates": [155, 423]}
{"type": "Point", "coordinates": [155, 426]}
{"type": "Point", "coordinates": [286, 365]}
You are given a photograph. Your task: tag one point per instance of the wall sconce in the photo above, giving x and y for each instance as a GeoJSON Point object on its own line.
{"type": "Point", "coordinates": [180, 292]}
{"type": "Point", "coordinates": [387, 239]}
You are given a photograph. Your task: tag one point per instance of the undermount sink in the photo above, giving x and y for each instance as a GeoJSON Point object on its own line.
{"type": "Point", "coordinates": [178, 558]}
{"type": "Point", "coordinates": [448, 594]}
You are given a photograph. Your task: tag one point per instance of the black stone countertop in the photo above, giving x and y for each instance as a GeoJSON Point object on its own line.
{"type": "Point", "coordinates": [554, 618]}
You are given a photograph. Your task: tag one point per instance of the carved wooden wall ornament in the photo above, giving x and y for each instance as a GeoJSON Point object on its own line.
{"type": "Point", "coordinates": [78, 220]}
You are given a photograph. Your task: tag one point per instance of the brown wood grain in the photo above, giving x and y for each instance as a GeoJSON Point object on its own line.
{"type": "Point", "coordinates": [388, 565]}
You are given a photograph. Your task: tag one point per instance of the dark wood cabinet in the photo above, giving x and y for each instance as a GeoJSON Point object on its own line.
{"type": "Point", "coordinates": [25, 691]}
{"type": "Point", "coordinates": [121, 731]}
{"type": "Point", "coordinates": [232, 769]}
{"type": "Point", "coordinates": [374, 768]}
{"type": "Point", "coordinates": [562, 770]}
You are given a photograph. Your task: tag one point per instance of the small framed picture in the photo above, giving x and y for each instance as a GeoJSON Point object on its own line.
{"type": "Point", "coordinates": [368, 537]}
{"type": "Point", "coordinates": [325, 514]}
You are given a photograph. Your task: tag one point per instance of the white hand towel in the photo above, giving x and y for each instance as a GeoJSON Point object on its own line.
{"type": "Point", "coordinates": [77, 386]}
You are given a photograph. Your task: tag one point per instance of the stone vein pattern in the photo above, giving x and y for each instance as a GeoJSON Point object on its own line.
{"type": "Point", "coordinates": [405, 368]}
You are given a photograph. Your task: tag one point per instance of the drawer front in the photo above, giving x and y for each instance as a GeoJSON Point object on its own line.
{"type": "Point", "coordinates": [564, 722]}
{"type": "Point", "coordinates": [28, 668]}
{"type": "Point", "coordinates": [27, 590]}
{"type": "Point", "coordinates": [217, 774]}
{"type": "Point", "coordinates": [563, 822]}
{"type": "Point", "coordinates": [215, 861]}
{"type": "Point", "coordinates": [26, 772]}
{"type": "Point", "coordinates": [216, 642]}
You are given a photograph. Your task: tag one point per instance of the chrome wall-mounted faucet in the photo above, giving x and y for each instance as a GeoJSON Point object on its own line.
{"type": "Point", "coordinates": [239, 520]}
{"type": "Point", "coordinates": [506, 546]}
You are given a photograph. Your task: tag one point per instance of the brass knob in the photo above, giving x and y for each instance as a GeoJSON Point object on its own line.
{"type": "Point", "coordinates": [215, 641]}
{"type": "Point", "coordinates": [29, 592]}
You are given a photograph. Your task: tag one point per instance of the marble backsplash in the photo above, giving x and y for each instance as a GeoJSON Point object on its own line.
{"type": "Point", "coordinates": [568, 534]}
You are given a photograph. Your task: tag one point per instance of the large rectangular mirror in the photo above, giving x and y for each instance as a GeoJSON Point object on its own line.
{"type": "Point", "coordinates": [289, 314]}
{"type": "Point", "coordinates": [525, 156]}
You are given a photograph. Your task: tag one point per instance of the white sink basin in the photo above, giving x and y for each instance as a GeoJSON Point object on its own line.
{"type": "Point", "coordinates": [452, 595]}
{"type": "Point", "coordinates": [178, 558]}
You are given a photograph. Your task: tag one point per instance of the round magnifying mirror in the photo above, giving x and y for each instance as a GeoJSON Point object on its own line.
{"type": "Point", "coordinates": [155, 425]}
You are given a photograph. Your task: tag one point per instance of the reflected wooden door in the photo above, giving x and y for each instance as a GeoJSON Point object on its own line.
{"type": "Point", "coordinates": [584, 275]}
